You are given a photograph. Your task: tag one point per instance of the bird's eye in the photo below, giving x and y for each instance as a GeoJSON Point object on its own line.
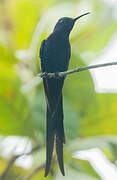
{"type": "Point", "coordinates": [61, 21]}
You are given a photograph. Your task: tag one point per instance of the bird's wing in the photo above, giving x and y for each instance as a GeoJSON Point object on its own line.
{"type": "Point", "coordinates": [53, 93]}
{"type": "Point", "coordinates": [41, 55]}
{"type": "Point", "coordinates": [49, 127]}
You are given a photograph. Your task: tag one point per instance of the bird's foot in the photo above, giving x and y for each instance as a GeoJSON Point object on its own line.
{"type": "Point", "coordinates": [57, 75]}
{"type": "Point", "coordinates": [44, 75]}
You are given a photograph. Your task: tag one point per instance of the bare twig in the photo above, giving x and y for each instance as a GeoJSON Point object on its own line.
{"type": "Point", "coordinates": [34, 171]}
{"type": "Point", "coordinates": [10, 163]}
{"type": "Point", "coordinates": [61, 74]}
{"type": "Point", "coordinates": [13, 159]}
{"type": "Point", "coordinates": [36, 80]}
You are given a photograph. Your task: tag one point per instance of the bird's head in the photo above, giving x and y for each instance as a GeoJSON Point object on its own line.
{"type": "Point", "coordinates": [65, 24]}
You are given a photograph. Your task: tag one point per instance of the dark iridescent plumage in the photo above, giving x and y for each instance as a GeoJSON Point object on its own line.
{"type": "Point", "coordinates": [55, 54]}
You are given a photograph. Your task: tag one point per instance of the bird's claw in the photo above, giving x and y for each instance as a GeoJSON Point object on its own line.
{"type": "Point", "coordinates": [57, 75]}
{"type": "Point", "coordinates": [44, 75]}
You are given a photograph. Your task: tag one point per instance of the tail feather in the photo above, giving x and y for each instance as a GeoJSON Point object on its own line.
{"type": "Point", "coordinates": [55, 130]}
{"type": "Point", "coordinates": [59, 151]}
{"type": "Point", "coordinates": [60, 136]}
{"type": "Point", "coordinates": [49, 152]}
{"type": "Point", "coordinates": [49, 141]}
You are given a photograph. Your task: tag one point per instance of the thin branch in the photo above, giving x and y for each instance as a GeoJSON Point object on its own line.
{"type": "Point", "coordinates": [34, 171]}
{"type": "Point", "coordinates": [14, 158]}
{"type": "Point", "coordinates": [10, 163]}
{"type": "Point", "coordinates": [37, 79]}
{"type": "Point", "coordinates": [61, 74]}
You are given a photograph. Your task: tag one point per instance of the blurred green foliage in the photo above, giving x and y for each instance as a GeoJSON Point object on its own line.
{"type": "Point", "coordinates": [88, 115]}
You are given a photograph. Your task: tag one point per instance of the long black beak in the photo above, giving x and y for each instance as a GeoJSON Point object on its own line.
{"type": "Point", "coordinates": [75, 19]}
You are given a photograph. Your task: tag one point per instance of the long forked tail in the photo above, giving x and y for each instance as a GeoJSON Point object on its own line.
{"type": "Point", "coordinates": [55, 131]}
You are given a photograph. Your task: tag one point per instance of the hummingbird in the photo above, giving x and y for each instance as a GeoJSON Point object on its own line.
{"type": "Point", "coordinates": [55, 53]}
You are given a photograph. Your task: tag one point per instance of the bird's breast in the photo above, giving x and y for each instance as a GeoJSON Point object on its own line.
{"type": "Point", "coordinates": [58, 54]}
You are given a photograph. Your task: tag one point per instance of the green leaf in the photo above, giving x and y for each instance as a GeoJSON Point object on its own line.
{"type": "Point", "coordinates": [101, 116]}
{"type": "Point", "coordinates": [71, 174]}
{"type": "Point", "coordinates": [14, 109]}
{"type": "Point", "coordinates": [71, 121]}
{"type": "Point", "coordinates": [102, 142]}
{"type": "Point", "coordinates": [79, 87]}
